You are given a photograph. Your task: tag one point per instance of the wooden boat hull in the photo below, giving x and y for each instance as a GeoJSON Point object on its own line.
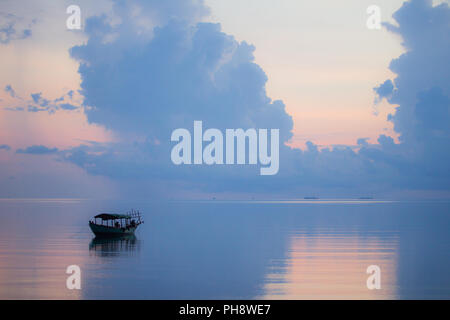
{"type": "Point", "coordinates": [100, 230]}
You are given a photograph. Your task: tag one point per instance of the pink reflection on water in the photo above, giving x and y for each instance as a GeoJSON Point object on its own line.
{"type": "Point", "coordinates": [332, 265]}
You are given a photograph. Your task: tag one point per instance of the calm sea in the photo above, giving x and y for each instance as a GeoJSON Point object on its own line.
{"type": "Point", "coordinates": [318, 249]}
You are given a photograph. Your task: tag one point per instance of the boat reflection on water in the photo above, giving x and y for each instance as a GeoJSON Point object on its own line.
{"type": "Point", "coordinates": [114, 246]}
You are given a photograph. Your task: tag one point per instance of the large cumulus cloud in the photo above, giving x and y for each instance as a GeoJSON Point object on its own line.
{"type": "Point", "coordinates": [153, 68]}
{"type": "Point", "coordinates": [184, 73]}
{"type": "Point", "coordinates": [421, 91]}
{"type": "Point", "coordinates": [144, 85]}
{"type": "Point", "coordinates": [425, 32]}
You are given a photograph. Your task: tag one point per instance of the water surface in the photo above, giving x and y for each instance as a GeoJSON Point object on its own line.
{"type": "Point", "coordinates": [296, 249]}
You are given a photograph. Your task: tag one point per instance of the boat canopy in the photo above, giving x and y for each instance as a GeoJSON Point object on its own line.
{"type": "Point", "coordinates": [112, 216]}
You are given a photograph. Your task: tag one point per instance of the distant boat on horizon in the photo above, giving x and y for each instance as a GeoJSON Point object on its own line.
{"type": "Point", "coordinates": [113, 224]}
{"type": "Point", "coordinates": [365, 198]}
{"type": "Point", "coordinates": [311, 198]}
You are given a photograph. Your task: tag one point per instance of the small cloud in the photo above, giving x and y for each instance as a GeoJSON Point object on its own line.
{"type": "Point", "coordinates": [67, 106]}
{"type": "Point", "coordinates": [35, 109]}
{"type": "Point", "coordinates": [69, 95]}
{"type": "Point", "coordinates": [37, 149]}
{"type": "Point", "coordinates": [5, 147]}
{"type": "Point", "coordinates": [36, 97]}
{"type": "Point", "coordinates": [13, 28]}
{"type": "Point", "coordinates": [14, 109]}
{"type": "Point", "coordinates": [39, 103]}
{"type": "Point", "coordinates": [9, 90]}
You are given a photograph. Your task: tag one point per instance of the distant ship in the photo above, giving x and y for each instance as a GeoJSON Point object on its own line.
{"type": "Point", "coordinates": [311, 198]}
{"type": "Point", "coordinates": [113, 224]}
{"type": "Point", "coordinates": [365, 198]}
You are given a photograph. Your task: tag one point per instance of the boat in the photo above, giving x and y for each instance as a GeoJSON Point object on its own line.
{"type": "Point", "coordinates": [113, 224]}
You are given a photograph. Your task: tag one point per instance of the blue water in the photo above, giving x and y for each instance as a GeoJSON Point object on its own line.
{"type": "Point", "coordinates": [311, 249]}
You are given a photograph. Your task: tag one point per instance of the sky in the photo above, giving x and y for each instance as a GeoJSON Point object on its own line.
{"type": "Point", "coordinates": [89, 112]}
